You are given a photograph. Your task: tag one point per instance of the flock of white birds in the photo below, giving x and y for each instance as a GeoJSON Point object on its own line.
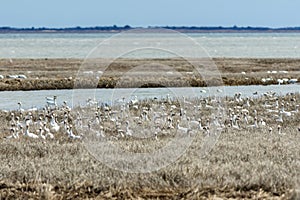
{"type": "Point", "coordinates": [155, 118]}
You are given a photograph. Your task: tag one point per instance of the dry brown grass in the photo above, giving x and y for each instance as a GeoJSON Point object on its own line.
{"type": "Point", "coordinates": [56, 73]}
{"type": "Point", "coordinates": [244, 164]}
{"type": "Point", "coordinates": [241, 165]}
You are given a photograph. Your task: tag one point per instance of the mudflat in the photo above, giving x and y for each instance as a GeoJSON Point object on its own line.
{"type": "Point", "coordinates": [43, 74]}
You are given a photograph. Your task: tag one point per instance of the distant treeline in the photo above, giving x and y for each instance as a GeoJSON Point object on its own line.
{"type": "Point", "coordinates": [68, 29]}
{"type": "Point", "coordinates": [115, 28]}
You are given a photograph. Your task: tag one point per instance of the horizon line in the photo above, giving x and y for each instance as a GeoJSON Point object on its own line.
{"type": "Point", "coordinates": [155, 26]}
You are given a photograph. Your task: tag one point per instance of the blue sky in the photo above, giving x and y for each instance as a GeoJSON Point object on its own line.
{"type": "Point", "coordinates": [69, 13]}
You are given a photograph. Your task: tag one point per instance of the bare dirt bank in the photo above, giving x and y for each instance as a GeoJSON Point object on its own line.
{"type": "Point", "coordinates": [65, 73]}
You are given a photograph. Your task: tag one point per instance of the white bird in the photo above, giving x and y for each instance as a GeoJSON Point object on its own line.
{"type": "Point", "coordinates": [21, 76]}
{"type": "Point", "coordinates": [279, 81]}
{"type": "Point", "coordinates": [245, 117]}
{"type": "Point", "coordinates": [195, 124]}
{"type": "Point", "coordinates": [270, 130]}
{"type": "Point", "coordinates": [293, 81]}
{"type": "Point", "coordinates": [155, 135]}
{"type": "Point", "coordinates": [134, 101]}
{"type": "Point", "coordinates": [54, 127]}
{"type": "Point", "coordinates": [20, 109]}
{"type": "Point", "coordinates": [235, 122]}
{"type": "Point", "coordinates": [247, 103]}
{"type": "Point", "coordinates": [255, 125]}
{"type": "Point", "coordinates": [296, 110]}
{"type": "Point", "coordinates": [170, 123]}
{"type": "Point", "coordinates": [47, 131]}
{"type": "Point", "coordinates": [28, 119]}
{"type": "Point", "coordinates": [168, 99]}
{"type": "Point", "coordinates": [12, 76]}
{"type": "Point", "coordinates": [39, 123]}
{"type": "Point", "coordinates": [285, 113]}
{"type": "Point", "coordinates": [41, 134]}
{"type": "Point", "coordinates": [71, 134]}
{"type": "Point", "coordinates": [279, 119]}
{"type": "Point", "coordinates": [279, 130]}
{"type": "Point", "coordinates": [185, 101]}
{"type": "Point", "coordinates": [128, 130]}
{"type": "Point", "coordinates": [206, 130]}
{"type": "Point", "coordinates": [101, 132]}
{"type": "Point", "coordinates": [207, 105]}
{"type": "Point", "coordinates": [183, 130]}
{"type": "Point", "coordinates": [91, 102]}
{"type": "Point", "coordinates": [66, 107]}
{"type": "Point", "coordinates": [262, 122]}
{"type": "Point", "coordinates": [12, 118]}
{"type": "Point", "coordinates": [14, 134]}
{"type": "Point", "coordinates": [29, 134]}
{"type": "Point", "coordinates": [238, 97]}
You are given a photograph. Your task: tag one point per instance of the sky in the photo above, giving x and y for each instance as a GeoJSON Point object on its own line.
{"type": "Point", "coordinates": [143, 13]}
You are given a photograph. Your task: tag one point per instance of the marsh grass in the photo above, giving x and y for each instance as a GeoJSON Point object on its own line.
{"type": "Point", "coordinates": [63, 73]}
{"type": "Point", "coordinates": [242, 164]}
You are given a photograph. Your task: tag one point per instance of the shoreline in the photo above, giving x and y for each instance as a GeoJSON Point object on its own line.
{"type": "Point", "coordinates": [118, 29]}
{"type": "Point", "coordinates": [46, 74]}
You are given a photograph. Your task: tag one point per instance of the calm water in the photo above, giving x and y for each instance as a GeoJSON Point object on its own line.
{"type": "Point", "coordinates": [279, 45]}
{"type": "Point", "coordinates": [268, 45]}
{"type": "Point", "coordinates": [36, 99]}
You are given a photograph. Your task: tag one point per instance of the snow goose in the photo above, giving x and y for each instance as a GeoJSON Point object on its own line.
{"type": "Point", "coordinates": [47, 131]}
{"type": "Point", "coordinates": [270, 130]}
{"type": "Point", "coordinates": [41, 133]}
{"type": "Point", "coordinates": [29, 134]}
{"type": "Point", "coordinates": [255, 125]}
{"type": "Point", "coordinates": [71, 134]}
{"type": "Point", "coordinates": [128, 130]}
{"type": "Point", "coordinates": [279, 119]}
{"type": "Point", "coordinates": [293, 81]}
{"type": "Point", "coordinates": [183, 130]}
{"type": "Point", "coordinates": [262, 123]}
{"type": "Point", "coordinates": [296, 110]}
{"type": "Point", "coordinates": [39, 122]}
{"type": "Point", "coordinates": [54, 127]}
{"type": "Point", "coordinates": [206, 130]}
{"type": "Point", "coordinates": [279, 129]}
{"type": "Point", "coordinates": [12, 118]}
{"type": "Point", "coordinates": [245, 117]}
{"type": "Point", "coordinates": [170, 123]}
{"type": "Point", "coordinates": [285, 113]}
{"type": "Point", "coordinates": [14, 134]}
{"type": "Point", "coordinates": [195, 124]}
{"type": "Point", "coordinates": [66, 107]}
{"type": "Point", "coordinates": [134, 101]}
{"type": "Point", "coordinates": [20, 109]}
{"type": "Point", "coordinates": [235, 123]}
{"type": "Point", "coordinates": [279, 81]}
{"type": "Point", "coordinates": [247, 103]}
